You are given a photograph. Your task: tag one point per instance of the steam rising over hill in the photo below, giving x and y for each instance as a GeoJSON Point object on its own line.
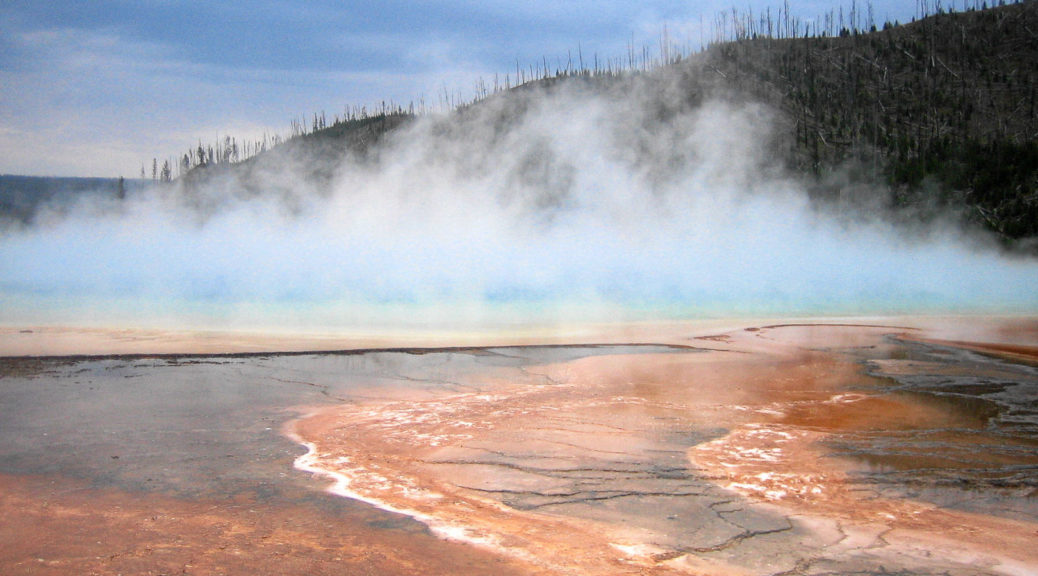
{"type": "Point", "coordinates": [589, 198]}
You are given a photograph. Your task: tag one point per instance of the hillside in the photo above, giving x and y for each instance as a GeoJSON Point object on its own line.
{"type": "Point", "coordinates": [943, 109]}
{"type": "Point", "coordinates": [320, 150]}
{"type": "Point", "coordinates": [941, 112]}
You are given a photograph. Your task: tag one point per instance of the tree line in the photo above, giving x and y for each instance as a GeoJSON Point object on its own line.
{"type": "Point", "coordinates": [944, 109]}
{"type": "Point", "coordinates": [932, 100]}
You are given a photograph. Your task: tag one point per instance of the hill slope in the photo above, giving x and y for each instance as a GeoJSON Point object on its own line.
{"type": "Point", "coordinates": [950, 99]}
{"type": "Point", "coordinates": [941, 111]}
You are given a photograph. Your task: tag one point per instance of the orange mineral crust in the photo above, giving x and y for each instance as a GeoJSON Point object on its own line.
{"type": "Point", "coordinates": [707, 461]}
{"type": "Point", "coordinates": [846, 446]}
{"type": "Point", "coordinates": [63, 527]}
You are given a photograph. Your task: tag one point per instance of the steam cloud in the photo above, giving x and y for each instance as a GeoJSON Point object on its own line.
{"type": "Point", "coordinates": [542, 205]}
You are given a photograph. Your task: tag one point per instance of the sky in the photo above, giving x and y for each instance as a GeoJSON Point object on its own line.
{"type": "Point", "coordinates": [97, 88]}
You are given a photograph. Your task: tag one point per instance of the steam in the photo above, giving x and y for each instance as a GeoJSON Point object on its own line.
{"type": "Point", "coordinates": [542, 205]}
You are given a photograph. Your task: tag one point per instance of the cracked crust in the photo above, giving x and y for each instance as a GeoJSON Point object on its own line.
{"type": "Point", "coordinates": [585, 474]}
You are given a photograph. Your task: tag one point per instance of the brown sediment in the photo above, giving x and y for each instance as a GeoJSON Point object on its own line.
{"type": "Point", "coordinates": [56, 526]}
{"type": "Point", "coordinates": [1017, 352]}
{"type": "Point", "coordinates": [51, 341]}
{"type": "Point", "coordinates": [553, 471]}
{"type": "Point", "coordinates": [1013, 338]}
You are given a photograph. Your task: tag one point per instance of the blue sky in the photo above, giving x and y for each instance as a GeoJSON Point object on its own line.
{"type": "Point", "coordinates": [98, 87]}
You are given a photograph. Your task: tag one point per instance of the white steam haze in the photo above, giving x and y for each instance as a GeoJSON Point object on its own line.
{"type": "Point", "coordinates": [539, 206]}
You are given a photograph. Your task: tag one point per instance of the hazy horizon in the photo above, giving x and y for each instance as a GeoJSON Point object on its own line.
{"type": "Point", "coordinates": [584, 205]}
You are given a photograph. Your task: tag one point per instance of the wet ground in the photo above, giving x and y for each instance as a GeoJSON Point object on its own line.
{"type": "Point", "coordinates": [765, 450]}
{"type": "Point", "coordinates": [982, 458]}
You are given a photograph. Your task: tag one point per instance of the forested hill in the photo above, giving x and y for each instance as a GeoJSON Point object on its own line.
{"type": "Point", "coordinates": [942, 111]}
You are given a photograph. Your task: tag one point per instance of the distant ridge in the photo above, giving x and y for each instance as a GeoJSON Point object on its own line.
{"type": "Point", "coordinates": [22, 197]}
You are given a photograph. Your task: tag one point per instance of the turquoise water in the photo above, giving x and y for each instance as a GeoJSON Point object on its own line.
{"type": "Point", "coordinates": [144, 267]}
